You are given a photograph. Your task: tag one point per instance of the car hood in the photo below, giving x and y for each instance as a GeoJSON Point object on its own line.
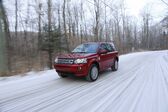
{"type": "Point", "coordinates": [76, 55]}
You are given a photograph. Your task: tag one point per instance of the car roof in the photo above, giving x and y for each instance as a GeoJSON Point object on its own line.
{"type": "Point", "coordinates": [98, 42]}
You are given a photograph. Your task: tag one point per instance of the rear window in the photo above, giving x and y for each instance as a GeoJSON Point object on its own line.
{"type": "Point", "coordinates": [113, 47]}
{"type": "Point", "coordinates": [108, 46]}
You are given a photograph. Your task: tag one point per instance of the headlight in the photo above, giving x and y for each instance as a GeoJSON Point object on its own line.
{"type": "Point", "coordinates": [80, 61]}
{"type": "Point", "coordinates": [56, 60]}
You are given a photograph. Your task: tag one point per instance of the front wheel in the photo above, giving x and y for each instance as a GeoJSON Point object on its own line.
{"type": "Point", "coordinates": [93, 73]}
{"type": "Point", "coordinates": [115, 66]}
{"type": "Point", "coordinates": [62, 75]}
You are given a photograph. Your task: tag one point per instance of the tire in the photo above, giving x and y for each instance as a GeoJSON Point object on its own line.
{"type": "Point", "coordinates": [93, 73]}
{"type": "Point", "coordinates": [115, 66]}
{"type": "Point", "coordinates": [62, 75]}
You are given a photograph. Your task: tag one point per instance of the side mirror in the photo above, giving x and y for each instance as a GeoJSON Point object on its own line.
{"type": "Point", "coordinates": [103, 51]}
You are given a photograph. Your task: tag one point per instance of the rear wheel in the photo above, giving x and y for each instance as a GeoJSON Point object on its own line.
{"type": "Point", "coordinates": [93, 73]}
{"type": "Point", "coordinates": [115, 66]}
{"type": "Point", "coordinates": [62, 75]}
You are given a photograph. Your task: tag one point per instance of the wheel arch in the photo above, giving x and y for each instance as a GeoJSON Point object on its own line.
{"type": "Point", "coordinates": [117, 58]}
{"type": "Point", "coordinates": [96, 63]}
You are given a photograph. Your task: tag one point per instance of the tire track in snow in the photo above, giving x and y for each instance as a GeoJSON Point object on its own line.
{"type": "Point", "coordinates": [107, 94]}
{"type": "Point", "coordinates": [27, 93]}
{"type": "Point", "coordinates": [110, 79]}
{"type": "Point", "coordinates": [125, 97]}
{"type": "Point", "coordinates": [81, 89]}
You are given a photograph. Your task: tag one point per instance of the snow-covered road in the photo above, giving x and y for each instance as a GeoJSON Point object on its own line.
{"type": "Point", "coordinates": [140, 85]}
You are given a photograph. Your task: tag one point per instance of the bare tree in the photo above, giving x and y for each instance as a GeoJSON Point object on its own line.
{"type": "Point", "coordinates": [146, 20]}
{"type": "Point", "coordinates": [97, 19]}
{"type": "Point", "coordinates": [105, 20]}
{"type": "Point", "coordinates": [49, 33]}
{"type": "Point", "coordinates": [164, 2]}
{"type": "Point", "coordinates": [39, 12]}
{"type": "Point", "coordinates": [81, 21]}
{"type": "Point", "coordinates": [117, 20]}
{"type": "Point", "coordinates": [69, 16]}
{"type": "Point", "coordinates": [76, 16]}
{"type": "Point", "coordinates": [135, 36]}
{"type": "Point", "coordinates": [59, 25]}
{"type": "Point", "coordinates": [5, 62]}
{"type": "Point", "coordinates": [64, 20]}
{"type": "Point", "coordinates": [16, 22]}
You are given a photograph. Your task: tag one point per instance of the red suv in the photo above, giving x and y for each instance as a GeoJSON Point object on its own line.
{"type": "Point", "coordinates": [87, 60]}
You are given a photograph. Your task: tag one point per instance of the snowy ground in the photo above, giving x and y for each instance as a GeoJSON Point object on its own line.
{"type": "Point", "coordinates": [140, 85]}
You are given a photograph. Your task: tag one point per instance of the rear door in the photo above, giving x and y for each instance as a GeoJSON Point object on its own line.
{"type": "Point", "coordinates": [109, 55]}
{"type": "Point", "coordinates": [113, 53]}
{"type": "Point", "coordinates": [103, 57]}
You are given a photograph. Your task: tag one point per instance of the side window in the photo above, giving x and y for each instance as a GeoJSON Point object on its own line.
{"type": "Point", "coordinates": [109, 47]}
{"type": "Point", "coordinates": [103, 47]}
{"type": "Point", "coordinates": [113, 47]}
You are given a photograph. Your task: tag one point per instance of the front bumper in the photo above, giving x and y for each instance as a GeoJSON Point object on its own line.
{"type": "Point", "coordinates": [75, 69]}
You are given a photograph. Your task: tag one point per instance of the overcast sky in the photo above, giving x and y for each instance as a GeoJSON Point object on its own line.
{"type": "Point", "coordinates": [157, 8]}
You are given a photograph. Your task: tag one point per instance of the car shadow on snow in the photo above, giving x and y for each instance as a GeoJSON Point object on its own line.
{"type": "Point", "coordinates": [83, 79]}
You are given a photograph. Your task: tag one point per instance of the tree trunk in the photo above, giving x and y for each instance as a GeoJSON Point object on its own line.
{"type": "Point", "coordinates": [49, 34]}
{"type": "Point", "coordinates": [65, 29]}
{"type": "Point", "coordinates": [4, 42]}
{"type": "Point", "coordinates": [16, 26]}
{"type": "Point", "coordinates": [97, 18]}
{"type": "Point", "coordinates": [40, 36]}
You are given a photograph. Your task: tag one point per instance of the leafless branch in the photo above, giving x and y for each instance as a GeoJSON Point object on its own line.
{"type": "Point", "coordinates": [164, 2]}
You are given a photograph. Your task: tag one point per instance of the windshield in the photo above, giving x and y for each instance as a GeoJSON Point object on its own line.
{"type": "Point", "coordinates": [86, 48]}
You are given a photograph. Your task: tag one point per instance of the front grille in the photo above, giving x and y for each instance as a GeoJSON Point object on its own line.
{"type": "Point", "coordinates": [65, 61]}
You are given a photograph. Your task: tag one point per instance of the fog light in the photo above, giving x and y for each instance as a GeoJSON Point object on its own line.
{"type": "Point", "coordinates": [79, 68]}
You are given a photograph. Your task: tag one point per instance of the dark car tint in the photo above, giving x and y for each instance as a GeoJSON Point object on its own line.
{"type": "Point", "coordinates": [86, 48]}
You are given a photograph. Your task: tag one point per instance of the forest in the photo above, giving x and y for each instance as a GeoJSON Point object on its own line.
{"type": "Point", "coordinates": [32, 34]}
